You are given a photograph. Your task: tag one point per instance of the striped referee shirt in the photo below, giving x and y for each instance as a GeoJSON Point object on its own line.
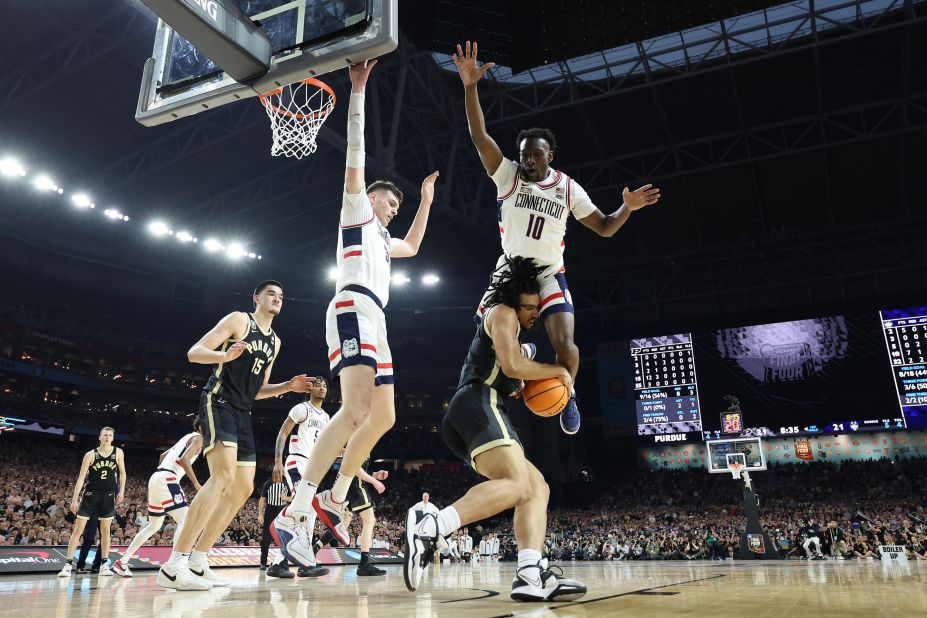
{"type": "Point", "coordinates": [274, 493]}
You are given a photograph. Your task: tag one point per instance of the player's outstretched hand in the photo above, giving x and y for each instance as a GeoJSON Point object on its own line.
{"type": "Point", "coordinates": [360, 72]}
{"type": "Point", "coordinates": [300, 384]}
{"type": "Point", "coordinates": [637, 199]}
{"type": "Point", "coordinates": [235, 350]}
{"type": "Point", "coordinates": [465, 61]}
{"type": "Point", "coordinates": [428, 186]}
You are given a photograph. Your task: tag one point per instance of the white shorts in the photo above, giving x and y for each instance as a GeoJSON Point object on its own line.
{"type": "Point", "coordinates": [164, 493]}
{"type": "Point", "coordinates": [293, 471]}
{"type": "Point", "coordinates": [355, 331]}
{"type": "Point", "coordinates": [555, 296]}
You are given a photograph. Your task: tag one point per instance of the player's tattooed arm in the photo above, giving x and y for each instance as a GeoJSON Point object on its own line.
{"type": "Point", "coordinates": [470, 74]}
{"type": "Point", "coordinates": [632, 200]}
{"type": "Point", "coordinates": [232, 327]}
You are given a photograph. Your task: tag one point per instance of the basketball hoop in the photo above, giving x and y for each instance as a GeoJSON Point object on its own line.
{"type": "Point", "coordinates": [736, 468]}
{"type": "Point", "coordinates": [297, 111]}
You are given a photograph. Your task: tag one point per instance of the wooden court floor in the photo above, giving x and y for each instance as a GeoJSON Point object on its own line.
{"type": "Point", "coordinates": [747, 589]}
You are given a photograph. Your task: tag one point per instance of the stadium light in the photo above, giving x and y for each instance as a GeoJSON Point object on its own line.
{"type": "Point", "coordinates": [44, 183]}
{"type": "Point", "coordinates": [184, 236]}
{"type": "Point", "coordinates": [212, 245]}
{"type": "Point", "coordinates": [430, 279]}
{"type": "Point", "coordinates": [333, 273]}
{"type": "Point", "coordinates": [158, 228]}
{"type": "Point", "coordinates": [82, 201]}
{"type": "Point", "coordinates": [400, 279]}
{"type": "Point", "coordinates": [11, 167]}
{"type": "Point", "coordinates": [115, 215]}
{"type": "Point", "coordinates": [235, 250]}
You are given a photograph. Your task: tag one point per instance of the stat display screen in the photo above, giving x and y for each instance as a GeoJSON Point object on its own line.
{"type": "Point", "coordinates": [665, 385]}
{"type": "Point", "coordinates": [905, 333]}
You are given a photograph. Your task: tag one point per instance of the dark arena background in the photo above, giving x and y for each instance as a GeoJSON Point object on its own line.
{"type": "Point", "coordinates": [775, 295]}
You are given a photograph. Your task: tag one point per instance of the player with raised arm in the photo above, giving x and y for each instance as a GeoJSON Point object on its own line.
{"type": "Point", "coordinates": [165, 495]}
{"type": "Point", "coordinates": [104, 468]}
{"type": "Point", "coordinates": [533, 205]}
{"type": "Point", "coordinates": [244, 347]}
{"type": "Point", "coordinates": [477, 429]}
{"type": "Point", "coordinates": [355, 331]}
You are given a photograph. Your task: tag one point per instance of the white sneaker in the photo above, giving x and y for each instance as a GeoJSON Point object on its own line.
{"type": "Point", "coordinates": [65, 570]}
{"type": "Point", "coordinates": [331, 514]}
{"type": "Point", "coordinates": [122, 570]}
{"type": "Point", "coordinates": [421, 536]}
{"type": "Point", "coordinates": [105, 571]}
{"type": "Point", "coordinates": [293, 534]}
{"type": "Point", "coordinates": [542, 583]}
{"type": "Point", "coordinates": [179, 577]}
{"type": "Point", "coordinates": [204, 572]}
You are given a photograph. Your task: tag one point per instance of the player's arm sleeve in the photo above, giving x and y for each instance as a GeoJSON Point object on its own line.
{"type": "Point", "coordinates": [505, 177]}
{"type": "Point", "coordinates": [298, 413]}
{"type": "Point", "coordinates": [580, 204]}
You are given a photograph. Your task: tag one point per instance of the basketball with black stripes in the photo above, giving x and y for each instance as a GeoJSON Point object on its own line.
{"type": "Point", "coordinates": [546, 397]}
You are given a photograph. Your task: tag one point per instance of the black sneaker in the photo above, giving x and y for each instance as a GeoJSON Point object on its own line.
{"type": "Point", "coordinates": [275, 570]}
{"type": "Point", "coordinates": [263, 567]}
{"type": "Point", "coordinates": [313, 571]}
{"type": "Point", "coordinates": [369, 569]}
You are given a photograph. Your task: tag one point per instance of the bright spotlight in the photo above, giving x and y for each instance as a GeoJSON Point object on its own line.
{"type": "Point", "coordinates": [184, 236]}
{"type": "Point", "coordinates": [235, 250]}
{"type": "Point", "coordinates": [400, 279]}
{"type": "Point", "coordinates": [115, 215]}
{"type": "Point", "coordinates": [252, 255]}
{"type": "Point", "coordinates": [81, 200]}
{"type": "Point", "coordinates": [44, 183]}
{"type": "Point", "coordinates": [158, 228]}
{"type": "Point", "coordinates": [333, 273]}
{"type": "Point", "coordinates": [11, 167]}
{"type": "Point", "coordinates": [212, 245]}
{"type": "Point", "coordinates": [430, 279]}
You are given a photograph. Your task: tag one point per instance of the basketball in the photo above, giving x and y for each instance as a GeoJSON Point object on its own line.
{"type": "Point", "coordinates": [546, 397]}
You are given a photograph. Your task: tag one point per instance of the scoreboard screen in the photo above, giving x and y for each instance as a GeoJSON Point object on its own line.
{"type": "Point", "coordinates": [665, 386]}
{"type": "Point", "coordinates": [905, 333]}
{"type": "Point", "coordinates": [731, 422]}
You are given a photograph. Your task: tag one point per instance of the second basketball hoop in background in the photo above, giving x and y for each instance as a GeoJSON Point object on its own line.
{"type": "Point", "coordinates": [297, 112]}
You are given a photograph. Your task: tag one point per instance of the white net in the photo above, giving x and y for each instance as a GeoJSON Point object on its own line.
{"type": "Point", "coordinates": [296, 113]}
{"type": "Point", "coordinates": [736, 468]}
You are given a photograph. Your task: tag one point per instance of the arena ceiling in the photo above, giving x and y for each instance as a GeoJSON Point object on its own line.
{"type": "Point", "coordinates": [790, 151]}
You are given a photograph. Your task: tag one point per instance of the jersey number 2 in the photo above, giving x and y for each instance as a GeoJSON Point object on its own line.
{"type": "Point", "coordinates": [103, 474]}
{"type": "Point", "coordinates": [535, 227]}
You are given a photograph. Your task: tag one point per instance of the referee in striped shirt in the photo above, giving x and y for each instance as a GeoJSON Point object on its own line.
{"type": "Point", "coordinates": [274, 496]}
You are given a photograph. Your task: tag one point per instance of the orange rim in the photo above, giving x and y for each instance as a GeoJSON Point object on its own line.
{"type": "Point", "coordinates": [311, 81]}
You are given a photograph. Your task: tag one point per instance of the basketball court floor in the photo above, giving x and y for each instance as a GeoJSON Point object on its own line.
{"type": "Point", "coordinates": [753, 589]}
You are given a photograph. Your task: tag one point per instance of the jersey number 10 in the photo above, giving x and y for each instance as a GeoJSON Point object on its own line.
{"type": "Point", "coordinates": [535, 227]}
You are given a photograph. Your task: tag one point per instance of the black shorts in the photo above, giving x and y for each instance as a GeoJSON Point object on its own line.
{"type": "Point", "coordinates": [99, 502]}
{"type": "Point", "coordinates": [230, 426]}
{"type": "Point", "coordinates": [476, 421]}
{"type": "Point", "coordinates": [359, 499]}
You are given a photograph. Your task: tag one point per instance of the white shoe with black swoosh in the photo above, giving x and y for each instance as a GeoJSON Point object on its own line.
{"type": "Point", "coordinates": [178, 577]}
{"type": "Point", "coordinates": [541, 583]}
{"type": "Point", "coordinates": [204, 572]}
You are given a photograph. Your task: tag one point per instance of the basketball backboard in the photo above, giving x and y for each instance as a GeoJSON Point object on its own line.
{"type": "Point", "coordinates": [308, 38]}
{"type": "Point", "coordinates": [749, 451]}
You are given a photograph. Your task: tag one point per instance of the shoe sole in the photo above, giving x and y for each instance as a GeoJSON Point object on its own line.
{"type": "Point", "coordinates": [323, 516]}
{"type": "Point", "coordinates": [410, 546]}
{"type": "Point", "coordinates": [164, 582]}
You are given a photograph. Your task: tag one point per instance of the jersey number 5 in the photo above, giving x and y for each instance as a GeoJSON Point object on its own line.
{"type": "Point", "coordinates": [258, 365]}
{"type": "Point", "coordinates": [535, 227]}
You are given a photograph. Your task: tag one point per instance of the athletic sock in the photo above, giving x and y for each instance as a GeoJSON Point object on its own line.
{"type": "Point", "coordinates": [528, 557]}
{"type": "Point", "coordinates": [340, 488]}
{"type": "Point", "coordinates": [302, 501]}
{"type": "Point", "coordinates": [197, 557]}
{"type": "Point", "coordinates": [176, 558]}
{"type": "Point", "coordinates": [71, 561]}
{"type": "Point", "coordinates": [448, 520]}
{"type": "Point", "coordinates": [365, 557]}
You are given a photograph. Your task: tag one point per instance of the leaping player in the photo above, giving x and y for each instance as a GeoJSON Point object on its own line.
{"type": "Point", "coordinates": [165, 496]}
{"type": "Point", "coordinates": [534, 202]}
{"type": "Point", "coordinates": [355, 331]}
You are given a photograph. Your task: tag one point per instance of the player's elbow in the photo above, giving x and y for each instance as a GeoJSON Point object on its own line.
{"type": "Point", "coordinates": [510, 369]}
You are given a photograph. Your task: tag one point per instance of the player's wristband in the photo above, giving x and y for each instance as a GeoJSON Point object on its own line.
{"type": "Point", "coordinates": [355, 150]}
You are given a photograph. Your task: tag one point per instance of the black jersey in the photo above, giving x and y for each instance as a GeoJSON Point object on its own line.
{"type": "Point", "coordinates": [103, 472]}
{"type": "Point", "coordinates": [238, 381]}
{"type": "Point", "coordinates": [482, 366]}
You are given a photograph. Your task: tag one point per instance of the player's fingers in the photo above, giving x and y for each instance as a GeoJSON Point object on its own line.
{"type": "Point", "coordinates": [371, 63]}
{"type": "Point", "coordinates": [486, 67]}
{"type": "Point", "coordinates": [474, 50]}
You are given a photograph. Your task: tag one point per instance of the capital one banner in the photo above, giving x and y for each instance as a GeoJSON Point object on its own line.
{"type": "Point", "coordinates": [50, 558]}
{"type": "Point", "coordinates": [799, 449]}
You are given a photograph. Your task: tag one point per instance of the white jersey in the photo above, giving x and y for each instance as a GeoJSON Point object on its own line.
{"type": "Point", "coordinates": [484, 547]}
{"type": "Point", "coordinates": [533, 216]}
{"type": "Point", "coordinates": [310, 422]}
{"type": "Point", "coordinates": [494, 546]}
{"type": "Point", "coordinates": [172, 457]}
{"type": "Point", "coordinates": [426, 507]}
{"type": "Point", "coordinates": [466, 544]}
{"type": "Point", "coordinates": [364, 246]}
